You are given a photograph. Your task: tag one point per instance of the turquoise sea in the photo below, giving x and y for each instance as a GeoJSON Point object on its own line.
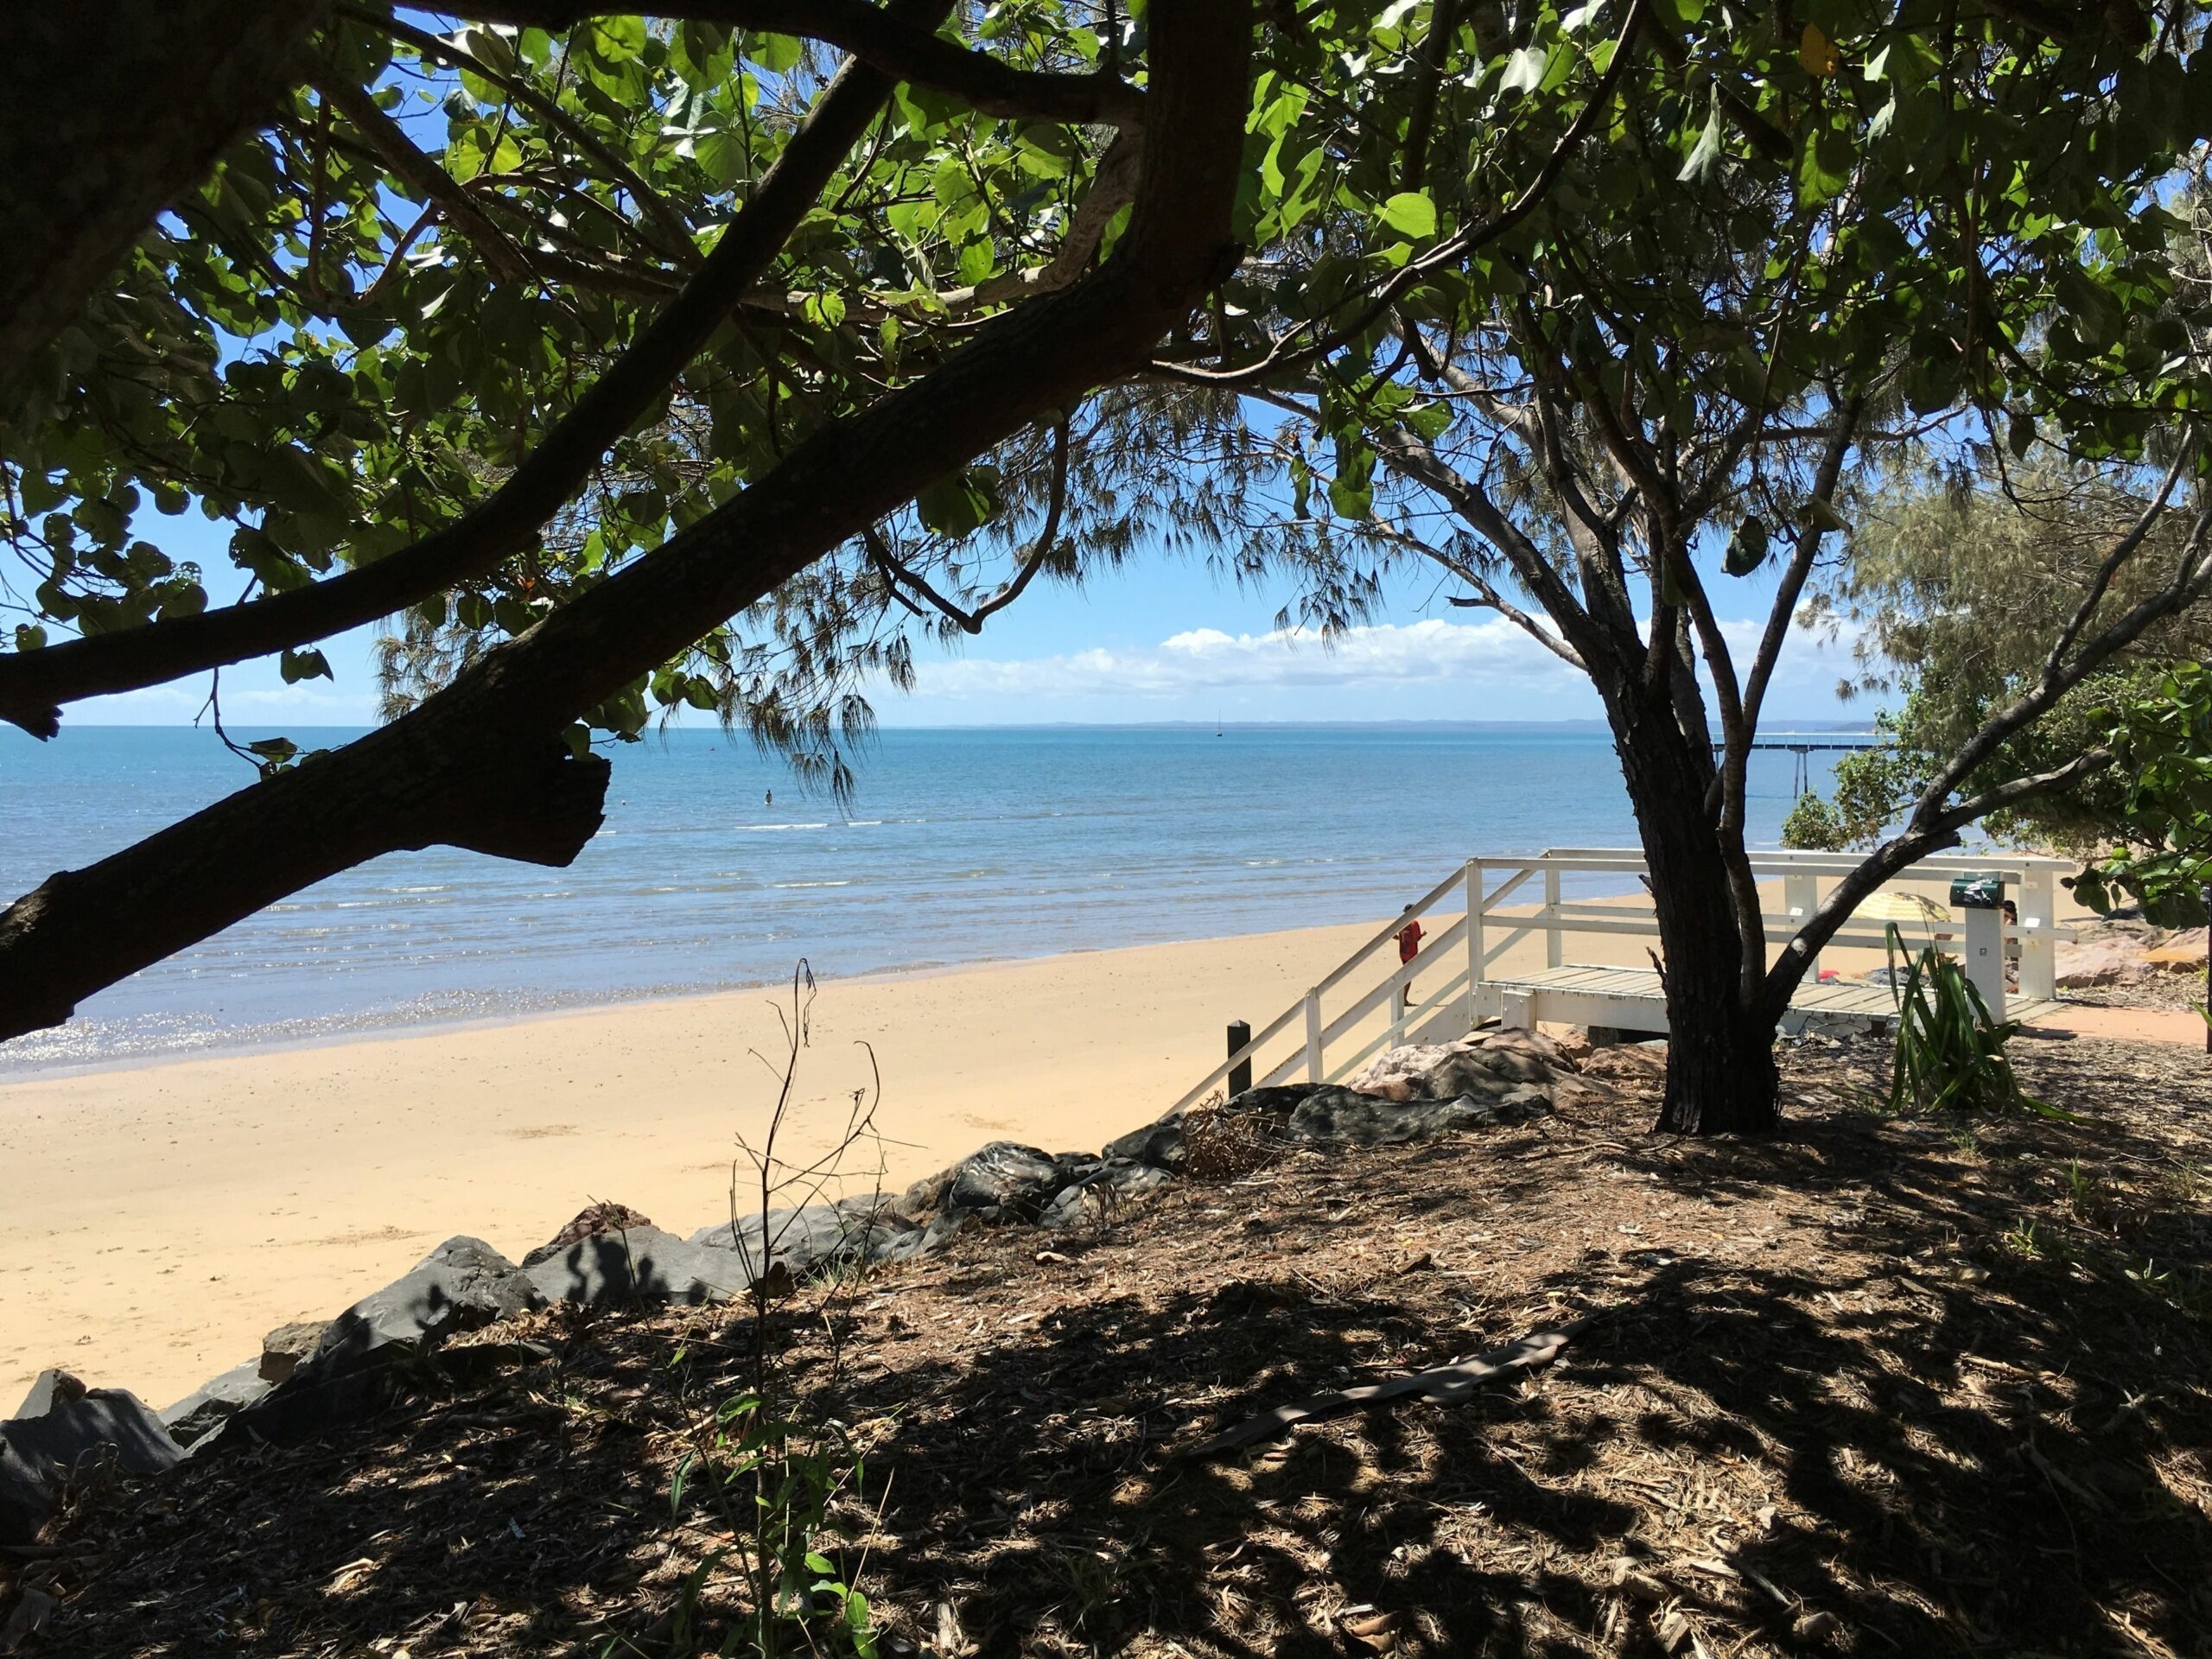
{"type": "Point", "coordinates": [962, 846]}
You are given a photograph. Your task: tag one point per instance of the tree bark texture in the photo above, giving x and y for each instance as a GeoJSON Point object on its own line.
{"type": "Point", "coordinates": [1720, 1070]}
{"type": "Point", "coordinates": [480, 763]}
{"type": "Point", "coordinates": [34, 684]}
{"type": "Point", "coordinates": [109, 110]}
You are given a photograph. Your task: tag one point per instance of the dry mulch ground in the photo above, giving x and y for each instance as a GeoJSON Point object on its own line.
{"type": "Point", "coordinates": [1874, 1387]}
{"type": "Point", "coordinates": [2167, 990]}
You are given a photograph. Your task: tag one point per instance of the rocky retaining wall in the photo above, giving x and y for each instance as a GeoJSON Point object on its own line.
{"type": "Point", "coordinates": [311, 1377]}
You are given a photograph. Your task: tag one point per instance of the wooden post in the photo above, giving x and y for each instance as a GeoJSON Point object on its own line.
{"type": "Point", "coordinates": [1240, 1075]}
{"type": "Point", "coordinates": [1313, 1036]}
{"type": "Point", "coordinates": [2038, 951]}
{"type": "Point", "coordinates": [2204, 892]}
{"type": "Point", "coordinates": [1398, 1002]}
{"type": "Point", "coordinates": [1474, 942]}
{"type": "Point", "coordinates": [1982, 956]}
{"type": "Point", "coordinates": [1554, 943]}
{"type": "Point", "coordinates": [1801, 897]}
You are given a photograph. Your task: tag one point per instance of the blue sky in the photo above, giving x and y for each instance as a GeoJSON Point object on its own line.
{"type": "Point", "coordinates": [1163, 640]}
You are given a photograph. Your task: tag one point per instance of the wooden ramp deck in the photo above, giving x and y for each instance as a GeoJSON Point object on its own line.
{"type": "Point", "coordinates": [1629, 999]}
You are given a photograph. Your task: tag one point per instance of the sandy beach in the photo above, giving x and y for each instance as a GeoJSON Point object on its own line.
{"type": "Point", "coordinates": [164, 1217]}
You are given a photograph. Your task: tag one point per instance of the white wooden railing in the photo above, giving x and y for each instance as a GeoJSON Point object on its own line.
{"type": "Point", "coordinates": [1491, 892]}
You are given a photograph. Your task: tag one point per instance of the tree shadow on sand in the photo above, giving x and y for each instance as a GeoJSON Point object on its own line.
{"type": "Point", "coordinates": [1863, 1389]}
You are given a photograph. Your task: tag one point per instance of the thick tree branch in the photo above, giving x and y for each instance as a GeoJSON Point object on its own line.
{"type": "Point", "coordinates": [987, 84]}
{"type": "Point", "coordinates": [1413, 458]}
{"type": "Point", "coordinates": [2192, 576]}
{"type": "Point", "coordinates": [1935, 820]}
{"type": "Point", "coordinates": [501, 718]}
{"type": "Point", "coordinates": [1485, 596]}
{"type": "Point", "coordinates": [1297, 348]}
{"type": "Point", "coordinates": [180, 78]}
{"type": "Point", "coordinates": [34, 684]}
{"type": "Point", "coordinates": [1800, 568]}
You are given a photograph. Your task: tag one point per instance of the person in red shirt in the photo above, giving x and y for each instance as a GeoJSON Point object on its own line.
{"type": "Point", "coordinates": [1410, 946]}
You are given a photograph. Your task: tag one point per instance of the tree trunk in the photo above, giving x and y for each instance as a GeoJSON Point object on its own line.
{"type": "Point", "coordinates": [109, 110]}
{"type": "Point", "coordinates": [1721, 1069]}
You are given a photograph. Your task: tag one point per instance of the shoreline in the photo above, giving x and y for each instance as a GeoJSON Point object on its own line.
{"type": "Point", "coordinates": [168, 1213]}
{"type": "Point", "coordinates": [648, 997]}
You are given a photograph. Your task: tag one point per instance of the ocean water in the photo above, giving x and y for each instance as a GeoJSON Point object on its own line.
{"type": "Point", "coordinates": [961, 846]}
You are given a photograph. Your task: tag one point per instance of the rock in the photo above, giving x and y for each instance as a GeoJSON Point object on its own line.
{"type": "Point", "coordinates": [282, 1349]}
{"type": "Point", "coordinates": [1345, 1117]}
{"type": "Point", "coordinates": [38, 1453]}
{"type": "Point", "coordinates": [2182, 954]}
{"type": "Point", "coordinates": [204, 1410]}
{"type": "Point", "coordinates": [1524, 1056]}
{"type": "Point", "coordinates": [812, 1235]}
{"type": "Point", "coordinates": [1159, 1144]}
{"type": "Point", "coordinates": [463, 1285]}
{"type": "Point", "coordinates": [356, 1366]}
{"type": "Point", "coordinates": [1004, 1181]}
{"type": "Point", "coordinates": [1486, 1068]}
{"type": "Point", "coordinates": [2109, 961]}
{"type": "Point", "coordinates": [1575, 1045]}
{"type": "Point", "coordinates": [1102, 1191]}
{"type": "Point", "coordinates": [33, 1608]}
{"type": "Point", "coordinates": [927, 1241]}
{"type": "Point", "coordinates": [588, 1224]}
{"type": "Point", "coordinates": [642, 1263]}
{"type": "Point", "coordinates": [27, 1495]}
{"type": "Point", "coordinates": [1631, 1063]}
{"type": "Point", "coordinates": [49, 1388]}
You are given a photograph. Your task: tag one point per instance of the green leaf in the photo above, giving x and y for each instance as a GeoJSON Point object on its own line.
{"type": "Point", "coordinates": [1431, 420]}
{"type": "Point", "coordinates": [776, 53]}
{"type": "Point", "coordinates": [1524, 70]}
{"type": "Point", "coordinates": [1747, 548]}
{"type": "Point", "coordinates": [1410, 213]}
{"type": "Point", "coordinates": [1825, 168]}
{"type": "Point", "coordinates": [297, 666]}
{"type": "Point", "coordinates": [1706, 154]}
{"type": "Point", "coordinates": [953, 506]}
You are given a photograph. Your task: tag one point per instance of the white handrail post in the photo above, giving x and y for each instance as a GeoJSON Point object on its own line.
{"type": "Point", "coordinates": [1313, 1036]}
{"type": "Point", "coordinates": [2038, 955]}
{"type": "Point", "coordinates": [1801, 897]}
{"type": "Point", "coordinates": [1474, 941]}
{"type": "Point", "coordinates": [1555, 945]}
{"type": "Point", "coordinates": [1398, 1000]}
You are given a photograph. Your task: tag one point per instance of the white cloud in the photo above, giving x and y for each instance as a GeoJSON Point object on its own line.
{"type": "Point", "coordinates": [1203, 659]}
{"type": "Point", "coordinates": [306, 704]}
{"type": "Point", "coordinates": [1491, 654]}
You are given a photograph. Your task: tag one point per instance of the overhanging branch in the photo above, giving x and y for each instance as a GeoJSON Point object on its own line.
{"type": "Point", "coordinates": [875, 36]}
{"type": "Point", "coordinates": [85, 930]}
{"type": "Point", "coordinates": [34, 685]}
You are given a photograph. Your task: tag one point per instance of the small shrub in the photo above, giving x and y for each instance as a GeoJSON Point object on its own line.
{"type": "Point", "coordinates": [783, 1481]}
{"type": "Point", "coordinates": [1950, 1054]}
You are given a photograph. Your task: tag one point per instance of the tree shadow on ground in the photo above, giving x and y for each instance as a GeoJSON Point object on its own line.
{"type": "Point", "coordinates": [1877, 1387]}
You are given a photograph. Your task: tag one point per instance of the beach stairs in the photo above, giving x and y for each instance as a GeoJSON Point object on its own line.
{"type": "Point", "coordinates": [1513, 908]}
